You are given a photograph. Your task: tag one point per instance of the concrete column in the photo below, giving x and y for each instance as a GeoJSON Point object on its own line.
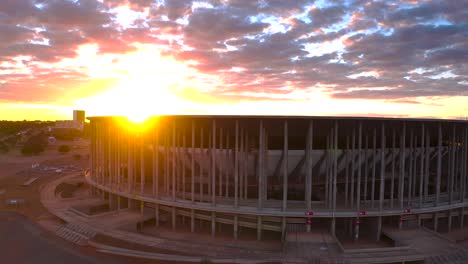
{"type": "Point", "coordinates": [452, 166]}
{"type": "Point", "coordinates": [228, 157]}
{"type": "Point", "coordinates": [462, 216]}
{"type": "Point", "coordinates": [285, 167]}
{"type": "Point", "coordinates": [183, 157]}
{"type": "Point", "coordinates": [382, 172]}
{"type": "Point", "coordinates": [333, 226]}
{"type": "Point", "coordinates": [366, 167]}
{"type": "Point", "coordinates": [192, 167]}
{"type": "Point", "coordinates": [427, 167]}
{"type": "Point", "coordinates": [436, 222]}
{"type": "Point", "coordinates": [156, 214]}
{"type": "Point", "coordinates": [260, 166]}
{"type": "Point", "coordinates": [335, 174]}
{"type": "Point", "coordinates": [173, 161]}
{"type": "Point", "coordinates": [142, 164]}
{"type": "Point", "coordinates": [392, 184]}
{"type": "Point", "coordinates": [358, 185]}
{"type": "Point", "coordinates": [439, 164]}
{"type": "Point", "coordinates": [347, 172]}
{"type": "Point", "coordinates": [308, 180]}
{"type": "Point", "coordinates": [401, 178]}
{"type": "Point", "coordinates": [130, 163]}
{"type": "Point", "coordinates": [283, 228]}
{"type": "Point", "coordinates": [236, 227]}
{"type": "Point", "coordinates": [241, 165]}
{"type": "Point", "coordinates": [379, 228]}
{"type": "Point", "coordinates": [221, 163]}
{"type": "Point", "coordinates": [449, 220]}
{"type": "Point", "coordinates": [374, 164]}
{"type": "Point", "coordinates": [201, 166]}
{"type": "Point", "coordinates": [410, 172]}
{"type": "Point", "coordinates": [421, 172]}
{"type": "Point", "coordinates": [213, 165]}
{"type": "Point", "coordinates": [192, 220]}
{"type": "Point", "coordinates": [213, 224]}
{"type": "Point", "coordinates": [245, 167]}
{"type": "Point", "coordinates": [353, 164]}
{"type": "Point", "coordinates": [259, 228]}
{"type": "Point", "coordinates": [173, 218]}
{"type": "Point", "coordinates": [236, 166]}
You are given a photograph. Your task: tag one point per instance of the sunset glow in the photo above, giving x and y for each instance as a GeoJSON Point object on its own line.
{"type": "Point", "coordinates": [143, 58]}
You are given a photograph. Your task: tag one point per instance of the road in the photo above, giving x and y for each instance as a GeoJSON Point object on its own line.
{"type": "Point", "coordinates": [22, 241]}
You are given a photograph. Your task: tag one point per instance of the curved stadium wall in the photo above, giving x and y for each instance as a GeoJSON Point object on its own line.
{"type": "Point", "coordinates": [267, 175]}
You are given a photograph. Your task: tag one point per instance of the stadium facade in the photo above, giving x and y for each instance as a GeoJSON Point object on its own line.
{"type": "Point", "coordinates": [264, 176]}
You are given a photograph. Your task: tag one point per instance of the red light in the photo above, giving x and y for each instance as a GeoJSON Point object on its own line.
{"type": "Point", "coordinates": [407, 210]}
{"type": "Point", "coordinates": [309, 213]}
{"type": "Point", "coordinates": [356, 221]}
{"type": "Point", "coordinates": [363, 213]}
{"type": "Point", "coordinates": [309, 222]}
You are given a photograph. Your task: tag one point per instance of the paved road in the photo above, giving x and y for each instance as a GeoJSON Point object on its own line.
{"type": "Point", "coordinates": [22, 241]}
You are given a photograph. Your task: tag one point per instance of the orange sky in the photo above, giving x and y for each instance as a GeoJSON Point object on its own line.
{"type": "Point", "coordinates": [163, 58]}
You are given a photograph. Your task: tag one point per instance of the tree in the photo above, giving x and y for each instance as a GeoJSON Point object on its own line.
{"type": "Point", "coordinates": [63, 148]}
{"type": "Point", "coordinates": [35, 144]}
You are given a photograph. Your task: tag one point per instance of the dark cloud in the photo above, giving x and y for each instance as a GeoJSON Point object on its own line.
{"type": "Point", "coordinates": [412, 49]}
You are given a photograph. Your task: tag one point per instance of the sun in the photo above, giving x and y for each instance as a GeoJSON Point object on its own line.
{"type": "Point", "coordinates": [147, 84]}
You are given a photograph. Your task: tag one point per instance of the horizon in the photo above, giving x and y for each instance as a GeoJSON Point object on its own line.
{"type": "Point", "coordinates": [402, 59]}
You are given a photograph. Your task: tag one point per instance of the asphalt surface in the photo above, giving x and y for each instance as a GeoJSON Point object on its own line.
{"type": "Point", "coordinates": [22, 241]}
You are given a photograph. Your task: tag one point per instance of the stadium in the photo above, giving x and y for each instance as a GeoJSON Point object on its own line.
{"type": "Point", "coordinates": [265, 177]}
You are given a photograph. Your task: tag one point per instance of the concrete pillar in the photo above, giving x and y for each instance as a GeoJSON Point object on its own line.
{"type": "Point", "coordinates": [283, 228]}
{"type": "Point", "coordinates": [241, 164]}
{"type": "Point", "coordinates": [374, 164]}
{"type": "Point", "coordinates": [347, 172]}
{"type": "Point", "coordinates": [213, 164]}
{"type": "Point", "coordinates": [260, 166]}
{"type": "Point", "coordinates": [259, 228]}
{"type": "Point", "coordinates": [308, 180]}
{"type": "Point", "coordinates": [213, 224]}
{"type": "Point", "coordinates": [353, 164]}
{"type": "Point", "coordinates": [382, 171]}
{"type": "Point", "coordinates": [462, 216]}
{"type": "Point", "coordinates": [358, 182]}
{"type": "Point", "coordinates": [156, 214]}
{"type": "Point", "coordinates": [421, 169]}
{"type": "Point", "coordinates": [439, 164]}
{"type": "Point", "coordinates": [173, 160]}
{"type": "Point", "coordinates": [335, 173]}
{"type": "Point", "coordinates": [333, 226]}
{"type": "Point", "coordinates": [392, 184]}
{"type": "Point", "coordinates": [173, 218]}
{"type": "Point", "coordinates": [449, 220]}
{"type": "Point", "coordinates": [401, 178]}
{"type": "Point", "coordinates": [236, 166]}
{"type": "Point", "coordinates": [192, 220]}
{"type": "Point", "coordinates": [285, 167]}
{"type": "Point", "coordinates": [192, 166]}
{"type": "Point", "coordinates": [201, 166]}
{"type": "Point", "coordinates": [142, 164]}
{"type": "Point", "coordinates": [236, 227]}
{"type": "Point", "coordinates": [436, 222]}
{"type": "Point", "coordinates": [379, 228]}
{"type": "Point", "coordinates": [183, 157]}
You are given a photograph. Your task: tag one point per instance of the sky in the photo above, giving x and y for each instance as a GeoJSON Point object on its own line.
{"type": "Point", "coordinates": [138, 58]}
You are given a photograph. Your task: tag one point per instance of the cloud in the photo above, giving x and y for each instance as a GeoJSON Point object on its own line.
{"type": "Point", "coordinates": [267, 47]}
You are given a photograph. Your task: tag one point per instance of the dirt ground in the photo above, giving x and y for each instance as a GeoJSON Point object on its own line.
{"type": "Point", "coordinates": [16, 169]}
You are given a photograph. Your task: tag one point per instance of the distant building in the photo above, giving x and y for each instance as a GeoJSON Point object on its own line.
{"type": "Point", "coordinates": [79, 115]}
{"type": "Point", "coordinates": [76, 123]}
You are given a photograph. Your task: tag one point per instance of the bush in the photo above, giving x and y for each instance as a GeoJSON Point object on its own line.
{"type": "Point", "coordinates": [4, 147]}
{"type": "Point", "coordinates": [64, 148]}
{"type": "Point", "coordinates": [31, 149]}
